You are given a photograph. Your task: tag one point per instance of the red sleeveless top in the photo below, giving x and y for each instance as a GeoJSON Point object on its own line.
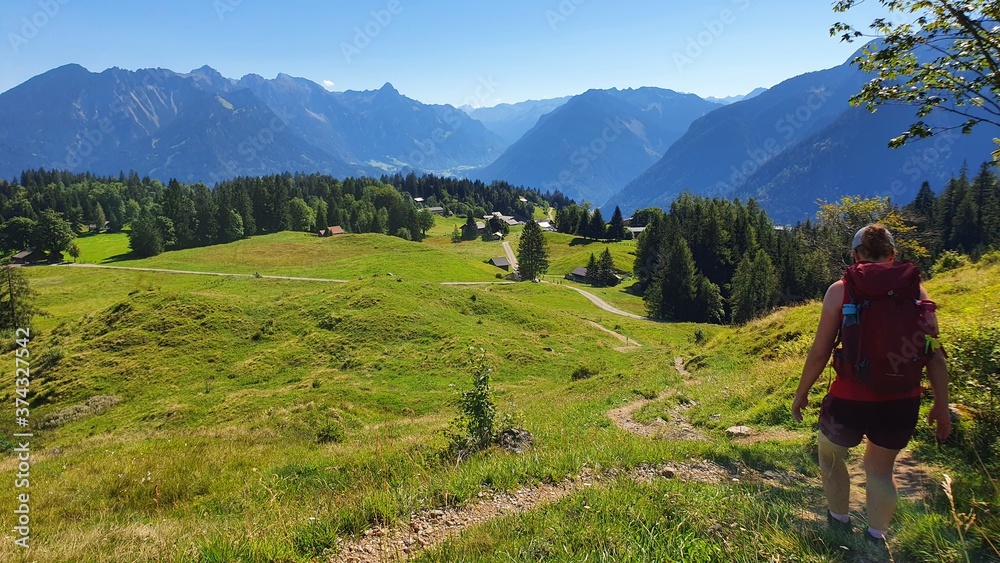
{"type": "Point", "coordinates": [853, 390]}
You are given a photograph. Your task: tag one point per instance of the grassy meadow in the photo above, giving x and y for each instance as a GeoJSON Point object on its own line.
{"type": "Point", "coordinates": [194, 418]}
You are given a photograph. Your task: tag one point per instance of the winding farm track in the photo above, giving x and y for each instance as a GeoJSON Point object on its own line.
{"type": "Point", "coordinates": [597, 301]}
{"type": "Point", "coordinates": [191, 272]}
{"type": "Point", "coordinates": [510, 256]}
{"type": "Point", "coordinates": [602, 304]}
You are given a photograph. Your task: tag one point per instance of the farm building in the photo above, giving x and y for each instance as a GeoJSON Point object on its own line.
{"type": "Point", "coordinates": [331, 231]}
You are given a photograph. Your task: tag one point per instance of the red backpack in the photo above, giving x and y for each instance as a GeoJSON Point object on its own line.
{"type": "Point", "coordinates": [883, 334]}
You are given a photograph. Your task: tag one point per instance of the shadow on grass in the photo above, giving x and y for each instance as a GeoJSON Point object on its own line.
{"type": "Point", "coordinates": [121, 258]}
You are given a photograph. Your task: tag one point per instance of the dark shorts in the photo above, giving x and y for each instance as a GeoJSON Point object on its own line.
{"type": "Point", "coordinates": [888, 424]}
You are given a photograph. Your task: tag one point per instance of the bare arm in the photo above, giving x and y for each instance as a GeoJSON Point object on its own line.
{"type": "Point", "coordinates": [819, 354]}
{"type": "Point", "coordinates": [937, 374]}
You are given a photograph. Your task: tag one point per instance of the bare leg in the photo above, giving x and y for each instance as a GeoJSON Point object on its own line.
{"type": "Point", "coordinates": [881, 487]}
{"type": "Point", "coordinates": [836, 480]}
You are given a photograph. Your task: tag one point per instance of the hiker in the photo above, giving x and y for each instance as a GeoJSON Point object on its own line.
{"type": "Point", "coordinates": [872, 313]}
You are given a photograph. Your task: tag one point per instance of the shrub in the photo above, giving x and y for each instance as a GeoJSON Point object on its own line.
{"type": "Point", "coordinates": [583, 372]}
{"type": "Point", "coordinates": [474, 429]}
{"type": "Point", "coordinates": [990, 258]}
{"type": "Point", "coordinates": [974, 362]}
{"type": "Point", "coordinates": [949, 260]}
{"type": "Point", "coordinates": [330, 432]}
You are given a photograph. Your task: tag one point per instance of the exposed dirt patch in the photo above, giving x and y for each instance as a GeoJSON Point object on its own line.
{"type": "Point", "coordinates": [629, 343]}
{"type": "Point", "coordinates": [769, 434]}
{"type": "Point", "coordinates": [429, 528]}
{"type": "Point", "coordinates": [679, 366]}
{"type": "Point", "coordinates": [671, 423]}
{"type": "Point", "coordinates": [914, 481]}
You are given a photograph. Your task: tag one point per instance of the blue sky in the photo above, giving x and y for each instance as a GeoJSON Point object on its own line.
{"type": "Point", "coordinates": [481, 52]}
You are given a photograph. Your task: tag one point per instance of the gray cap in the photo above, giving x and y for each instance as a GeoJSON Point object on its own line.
{"type": "Point", "coordinates": [861, 232]}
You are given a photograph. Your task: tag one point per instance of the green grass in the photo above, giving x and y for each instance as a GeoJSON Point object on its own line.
{"type": "Point", "coordinates": [104, 248]}
{"type": "Point", "coordinates": [305, 255]}
{"type": "Point", "coordinates": [210, 419]}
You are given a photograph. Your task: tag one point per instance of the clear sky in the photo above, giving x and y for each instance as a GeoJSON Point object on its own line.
{"type": "Point", "coordinates": [481, 52]}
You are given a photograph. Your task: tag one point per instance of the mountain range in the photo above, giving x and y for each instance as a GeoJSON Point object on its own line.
{"type": "Point", "coordinates": [512, 121]}
{"type": "Point", "coordinates": [201, 126]}
{"type": "Point", "coordinates": [786, 146]}
{"type": "Point", "coordinates": [802, 141]}
{"type": "Point", "coordinates": [593, 144]}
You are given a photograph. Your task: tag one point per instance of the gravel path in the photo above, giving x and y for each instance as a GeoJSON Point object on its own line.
{"type": "Point", "coordinates": [629, 343]}
{"type": "Point", "coordinates": [191, 272]}
{"type": "Point", "coordinates": [510, 256]}
{"type": "Point", "coordinates": [429, 528]}
{"type": "Point", "coordinates": [674, 427]}
{"type": "Point", "coordinates": [602, 304]}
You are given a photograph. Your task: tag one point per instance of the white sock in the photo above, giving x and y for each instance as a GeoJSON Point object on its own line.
{"type": "Point", "coordinates": [845, 518]}
{"type": "Point", "coordinates": [880, 534]}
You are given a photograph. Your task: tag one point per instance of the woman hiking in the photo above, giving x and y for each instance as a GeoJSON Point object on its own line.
{"type": "Point", "coordinates": [886, 329]}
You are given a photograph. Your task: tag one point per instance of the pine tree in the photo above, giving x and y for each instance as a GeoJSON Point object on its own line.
{"type": "Point", "coordinates": [592, 269]}
{"type": "Point", "coordinates": [708, 304]}
{"type": "Point", "coordinates": [616, 228]}
{"type": "Point", "coordinates": [674, 288]}
{"type": "Point", "coordinates": [470, 230]}
{"type": "Point", "coordinates": [456, 235]}
{"type": "Point", "coordinates": [99, 218]}
{"type": "Point", "coordinates": [605, 269]}
{"type": "Point", "coordinates": [754, 285]}
{"type": "Point", "coordinates": [145, 238]}
{"type": "Point", "coordinates": [532, 256]}
{"type": "Point", "coordinates": [598, 228]}
{"type": "Point", "coordinates": [16, 299]}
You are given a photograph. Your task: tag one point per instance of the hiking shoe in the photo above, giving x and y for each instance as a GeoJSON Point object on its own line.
{"type": "Point", "coordinates": [875, 541]}
{"type": "Point", "coordinates": [837, 525]}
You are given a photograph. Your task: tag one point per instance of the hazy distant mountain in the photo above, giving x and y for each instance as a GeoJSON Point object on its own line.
{"type": "Point", "coordinates": [156, 122]}
{"type": "Point", "coordinates": [512, 121]}
{"type": "Point", "coordinates": [203, 126]}
{"type": "Point", "coordinates": [797, 142]}
{"type": "Point", "coordinates": [733, 99]}
{"type": "Point", "coordinates": [596, 142]}
{"type": "Point", "coordinates": [850, 157]}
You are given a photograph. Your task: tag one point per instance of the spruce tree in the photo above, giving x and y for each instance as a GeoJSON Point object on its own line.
{"type": "Point", "coordinates": [470, 230]}
{"type": "Point", "coordinates": [145, 238]}
{"type": "Point", "coordinates": [592, 269]}
{"type": "Point", "coordinates": [99, 218]}
{"type": "Point", "coordinates": [708, 304]}
{"type": "Point", "coordinates": [754, 287]}
{"type": "Point", "coordinates": [605, 269]}
{"type": "Point", "coordinates": [616, 228]}
{"type": "Point", "coordinates": [532, 256]}
{"type": "Point", "coordinates": [16, 299]}
{"type": "Point", "coordinates": [671, 295]}
{"type": "Point", "coordinates": [598, 228]}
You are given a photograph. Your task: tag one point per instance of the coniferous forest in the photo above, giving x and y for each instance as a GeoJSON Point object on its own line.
{"type": "Point", "coordinates": [703, 260]}
{"type": "Point", "coordinates": [717, 260]}
{"type": "Point", "coordinates": [178, 215]}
